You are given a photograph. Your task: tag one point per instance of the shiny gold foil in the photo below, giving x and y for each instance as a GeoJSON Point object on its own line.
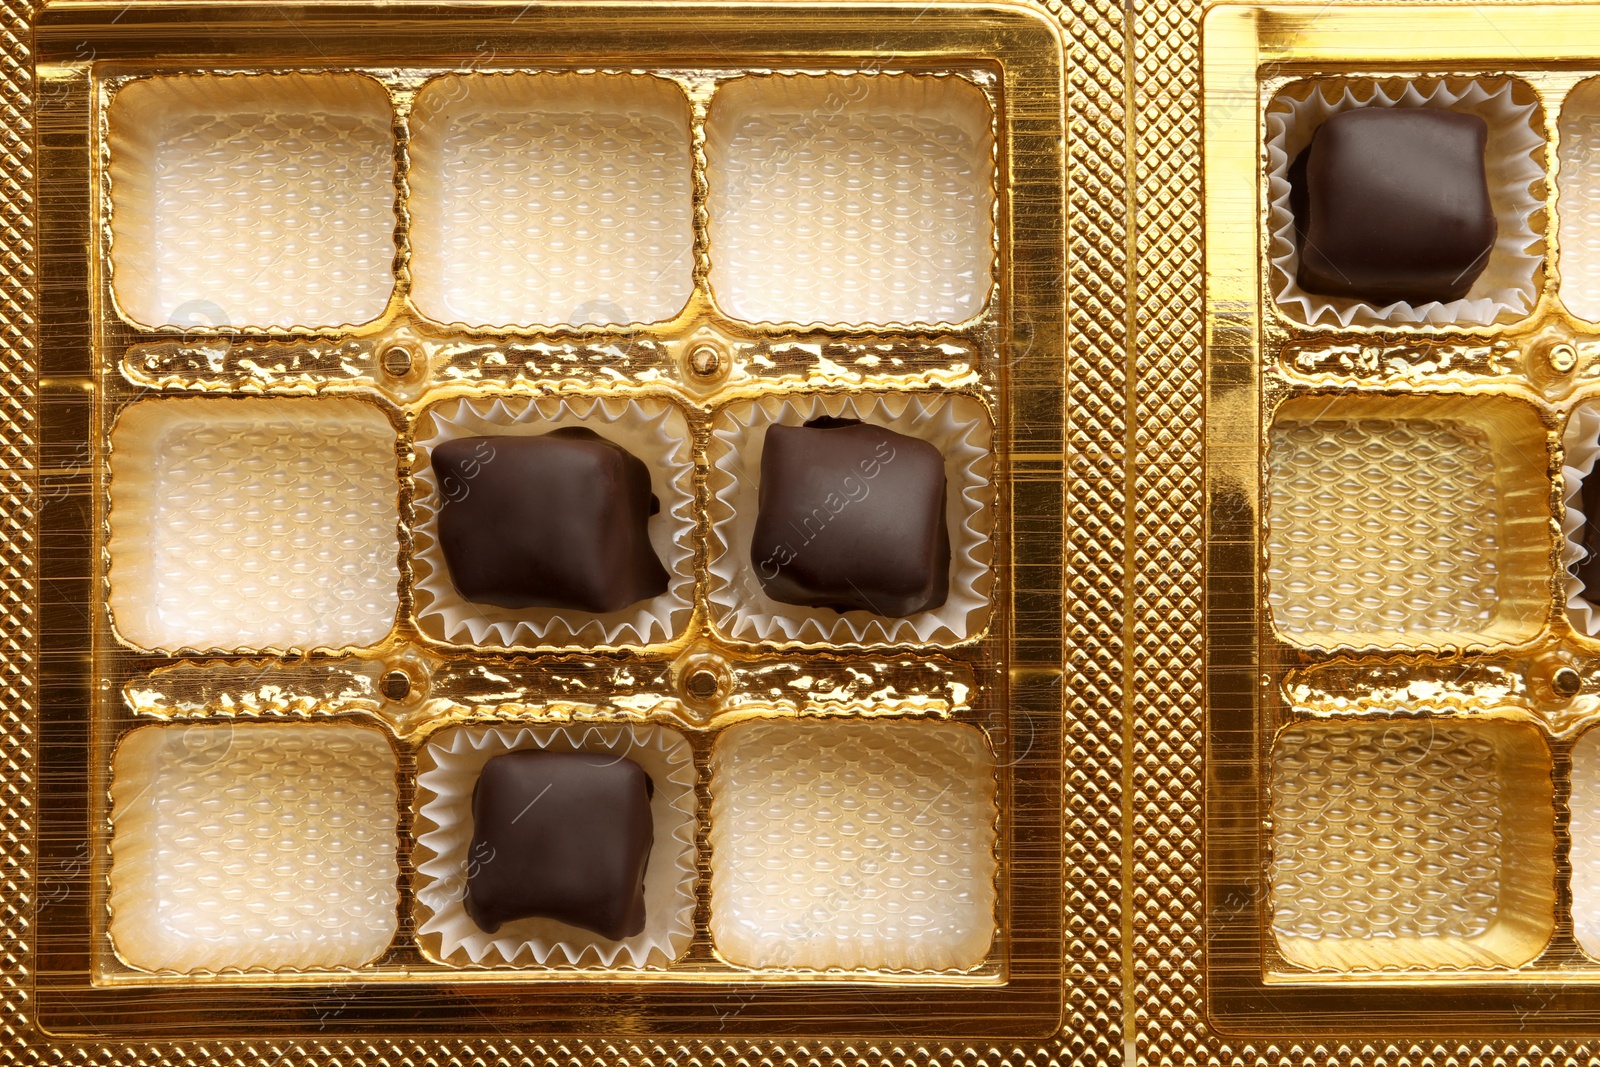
{"type": "Point", "coordinates": [1047, 984]}
{"type": "Point", "coordinates": [1285, 707]}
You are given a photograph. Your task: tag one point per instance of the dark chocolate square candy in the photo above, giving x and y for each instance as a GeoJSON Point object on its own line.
{"type": "Point", "coordinates": [563, 836]}
{"type": "Point", "coordinates": [851, 518]}
{"type": "Point", "coordinates": [1392, 204]}
{"type": "Point", "coordinates": [560, 520]}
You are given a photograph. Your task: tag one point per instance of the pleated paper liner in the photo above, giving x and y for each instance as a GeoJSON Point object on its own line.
{"type": "Point", "coordinates": [449, 766]}
{"type": "Point", "coordinates": [253, 524]}
{"type": "Point", "coordinates": [253, 847]}
{"type": "Point", "coordinates": [958, 426]}
{"type": "Point", "coordinates": [655, 431]}
{"type": "Point", "coordinates": [1580, 446]}
{"type": "Point", "coordinates": [1514, 164]}
{"type": "Point", "coordinates": [252, 200]}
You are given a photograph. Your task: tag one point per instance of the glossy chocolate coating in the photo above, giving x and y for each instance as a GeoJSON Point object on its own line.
{"type": "Point", "coordinates": [558, 521]}
{"type": "Point", "coordinates": [1391, 204]}
{"type": "Point", "coordinates": [560, 835]}
{"type": "Point", "coordinates": [851, 518]}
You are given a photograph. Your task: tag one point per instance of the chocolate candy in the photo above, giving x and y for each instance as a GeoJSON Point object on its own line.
{"type": "Point", "coordinates": [851, 518]}
{"type": "Point", "coordinates": [560, 835]}
{"type": "Point", "coordinates": [556, 521]}
{"type": "Point", "coordinates": [1391, 204]}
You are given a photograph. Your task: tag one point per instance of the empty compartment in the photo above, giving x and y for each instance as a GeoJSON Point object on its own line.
{"type": "Point", "coordinates": [1415, 521]}
{"type": "Point", "coordinates": [1586, 842]}
{"type": "Point", "coordinates": [253, 846]}
{"type": "Point", "coordinates": [853, 844]}
{"type": "Point", "coordinates": [262, 200]}
{"type": "Point", "coordinates": [1412, 844]}
{"type": "Point", "coordinates": [253, 524]}
{"type": "Point", "coordinates": [851, 199]}
{"type": "Point", "coordinates": [551, 199]}
{"type": "Point", "coordinates": [1578, 200]}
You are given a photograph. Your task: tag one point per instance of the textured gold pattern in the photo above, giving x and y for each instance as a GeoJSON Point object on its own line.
{"type": "Point", "coordinates": [1041, 988]}
{"type": "Point", "coordinates": [1514, 995]}
{"type": "Point", "coordinates": [1411, 845]}
{"type": "Point", "coordinates": [1087, 743]}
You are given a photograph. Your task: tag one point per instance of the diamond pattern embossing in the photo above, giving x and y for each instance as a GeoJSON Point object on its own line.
{"type": "Point", "coordinates": [1166, 492]}
{"type": "Point", "coordinates": [19, 456]}
{"type": "Point", "coordinates": [1096, 508]}
{"type": "Point", "coordinates": [1384, 526]}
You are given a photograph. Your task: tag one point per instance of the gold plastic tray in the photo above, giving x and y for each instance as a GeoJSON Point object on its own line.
{"type": "Point", "coordinates": [1326, 715]}
{"type": "Point", "coordinates": [103, 352]}
{"type": "Point", "coordinates": [1144, 366]}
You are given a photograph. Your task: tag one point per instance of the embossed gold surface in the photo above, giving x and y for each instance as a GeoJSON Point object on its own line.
{"type": "Point", "coordinates": [1048, 985]}
{"type": "Point", "coordinates": [1295, 850]}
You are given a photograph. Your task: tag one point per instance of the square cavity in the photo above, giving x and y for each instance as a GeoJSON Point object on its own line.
{"type": "Point", "coordinates": [1586, 842]}
{"type": "Point", "coordinates": [1411, 844]}
{"type": "Point", "coordinates": [551, 199]}
{"type": "Point", "coordinates": [1578, 200]}
{"type": "Point", "coordinates": [851, 199]}
{"type": "Point", "coordinates": [456, 856]}
{"type": "Point", "coordinates": [1507, 273]}
{"type": "Point", "coordinates": [849, 516]}
{"type": "Point", "coordinates": [1420, 521]}
{"type": "Point", "coordinates": [487, 480]}
{"type": "Point", "coordinates": [262, 200]}
{"type": "Point", "coordinates": [242, 524]}
{"type": "Point", "coordinates": [853, 845]}
{"type": "Point", "coordinates": [253, 846]}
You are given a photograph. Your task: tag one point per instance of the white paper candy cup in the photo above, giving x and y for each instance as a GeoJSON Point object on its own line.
{"type": "Point", "coordinates": [444, 814]}
{"type": "Point", "coordinates": [1508, 284]}
{"type": "Point", "coordinates": [958, 426]}
{"type": "Point", "coordinates": [655, 431]}
{"type": "Point", "coordinates": [1581, 447]}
